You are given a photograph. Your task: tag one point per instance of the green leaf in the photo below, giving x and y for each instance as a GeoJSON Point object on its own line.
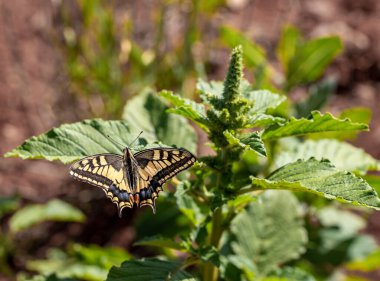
{"type": "Point", "coordinates": [104, 257]}
{"type": "Point", "coordinates": [270, 231]}
{"type": "Point", "coordinates": [254, 55]}
{"type": "Point", "coordinates": [317, 99]}
{"type": "Point", "coordinates": [209, 90]}
{"type": "Point", "coordinates": [54, 210]}
{"type": "Point", "coordinates": [149, 269]}
{"type": "Point", "coordinates": [159, 241]}
{"type": "Point", "coordinates": [70, 142]}
{"type": "Point", "coordinates": [342, 155]}
{"type": "Point", "coordinates": [291, 274]}
{"type": "Point", "coordinates": [148, 112]}
{"type": "Point", "coordinates": [250, 141]}
{"type": "Point", "coordinates": [311, 59]}
{"type": "Point", "coordinates": [79, 261]}
{"type": "Point", "coordinates": [263, 120]}
{"type": "Point", "coordinates": [318, 123]}
{"type": "Point", "coordinates": [187, 205]}
{"type": "Point", "coordinates": [322, 178]}
{"type": "Point", "coordinates": [369, 263]}
{"type": "Point", "coordinates": [286, 49]}
{"type": "Point", "coordinates": [263, 100]}
{"type": "Point", "coordinates": [355, 114]}
{"type": "Point", "coordinates": [187, 108]}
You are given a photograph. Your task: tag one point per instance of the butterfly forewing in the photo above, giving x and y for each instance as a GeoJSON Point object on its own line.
{"type": "Point", "coordinates": [105, 171]}
{"type": "Point", "coordinates": [156, 167]}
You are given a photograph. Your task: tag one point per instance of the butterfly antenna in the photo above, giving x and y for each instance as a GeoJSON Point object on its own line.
{"type": "Point", "coordinates": [135, 139]}
{"type": "Point", "coordinates": [123, 145]}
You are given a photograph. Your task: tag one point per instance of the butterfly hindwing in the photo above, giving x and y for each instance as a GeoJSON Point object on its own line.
{"type": "Point", "coordinates": [156, 167]}
{"type": "Point", "coordinates": [105, 171]}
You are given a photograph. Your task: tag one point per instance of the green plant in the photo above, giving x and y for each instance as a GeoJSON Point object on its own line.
{"type": "Point", "coordinates": [240, 225]}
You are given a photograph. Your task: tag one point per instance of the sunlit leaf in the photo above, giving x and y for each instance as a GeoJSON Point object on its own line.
{"type": "Point", "coordinates": [104, 257]}
{"type": "Point", "coordinates": [355, 114]}
{"type": "Point", "coordinates": [254, 55]}
{"type": "Point", "coordinates": [290, 274]}
{"type": "Point", "coordinates": [187, 108]}
{"type": "Point", "coordinates": [54, 210]}
{"type": "Point", "coordinates": [80, 261]}
{"type": "Point", "coordinates": [311, 59]}
{"type": "Point", "coordinates": [286, 49]}
{"type": "Point", "coordinates": [369, 263]}
{"type": "Point", "coordinates": [250, 141]}
{"type": "Point", "coordinates": [270, 231]}
{"type": "Point", "coordinates": [263, 120]}
{"type": "Point", "coordinates": [149, 269]}
{"type": "Point", "coordinates": [342, 155]}
{"type": "Point", "coordinates": [70, 142]}
{"type": "Point", "coordinates": [318, 123]}
{"type": "Point", "coordinates": [263, 100]}
{"type": "Point", "coordinates": [147, 112]}
{"type": "Point", "coordinates": [322, 178]}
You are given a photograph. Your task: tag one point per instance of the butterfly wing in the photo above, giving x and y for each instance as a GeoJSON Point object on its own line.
{"type": "Point", "coordinates": [156, 166]}
{"type": "Point", "coordinates": [107, 172]}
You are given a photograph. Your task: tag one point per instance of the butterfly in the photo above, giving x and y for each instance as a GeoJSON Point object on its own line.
{"type": "Point", "coordinates": [133, 179]}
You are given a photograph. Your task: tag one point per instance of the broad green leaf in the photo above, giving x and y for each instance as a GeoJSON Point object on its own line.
{"type": "Point", "coordinates": [79, 261]}
{"type": "Point", "coordinates": [209, 90]}
{"type": "Point", "coordinates": [342, 155]}
{"type": "Point", "coordinates": [355, 114]}
{"type": "Point", "coordinates": [373, 181]}
{"type": "Point", "coordinates": [104, 257]}
{"type": "Point", "coordinates": [286, 49]}
{"type": "Point", "coordinates": [70, 142]}
{"type": "Point", "coordinates": [254, 55]}
{"type": "Point", "coordinates": [263, 100]}
{"type": "Point", "coordinates": [159, 241]}
{"type": "Point", "coordinates": [263, 120]}
{"type": "Point", "coordinates": [147, 112]}
{"type": "Point", "coordinates": [64, 269]}
{"type": "Point", "coordinates": [250, 141]}
{"type": "Point", "coordinates": [187, 205]}
{"type": "Point", "coordinates": [290, 274]}
{"type": "Point", "coordinates": [369, 263]}
{"type": "Point", "coordinates": [187, 108]}
{"type": "Point", "coordinates": [317, 99]}
{"type": "Point", "coordinates": [338, 238]}
{"type": "Point", "coordinates": [149, 269]}
{"type": "Point", "coordinates": [311, 59]}
{"type": "Point", "coordinates": [322, 178]}
{"type": "Point", "coordinates": [54, 210]}
{"type": "Point", "coordinates": [318, 123]}
{"type": "Point", "coordinates": [260, 231]}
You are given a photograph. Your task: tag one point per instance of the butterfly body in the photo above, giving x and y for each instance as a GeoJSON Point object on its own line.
{"type": "Point", "coordinates": [132, 179]}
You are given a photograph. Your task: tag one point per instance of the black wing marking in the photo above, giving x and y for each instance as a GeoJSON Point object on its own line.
{"type": "Point", "coordinates": [158, 165]}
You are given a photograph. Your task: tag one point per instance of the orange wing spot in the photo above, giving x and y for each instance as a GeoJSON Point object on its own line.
{"type": "Point", "coordinates": [137, 198]}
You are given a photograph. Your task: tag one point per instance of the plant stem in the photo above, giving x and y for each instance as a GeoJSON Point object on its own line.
{"type": "Point", "coordinates": [210, 272]}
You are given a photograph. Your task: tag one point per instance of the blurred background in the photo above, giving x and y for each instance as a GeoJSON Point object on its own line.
{"type": "Point", "coordinates": [64, 61]}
